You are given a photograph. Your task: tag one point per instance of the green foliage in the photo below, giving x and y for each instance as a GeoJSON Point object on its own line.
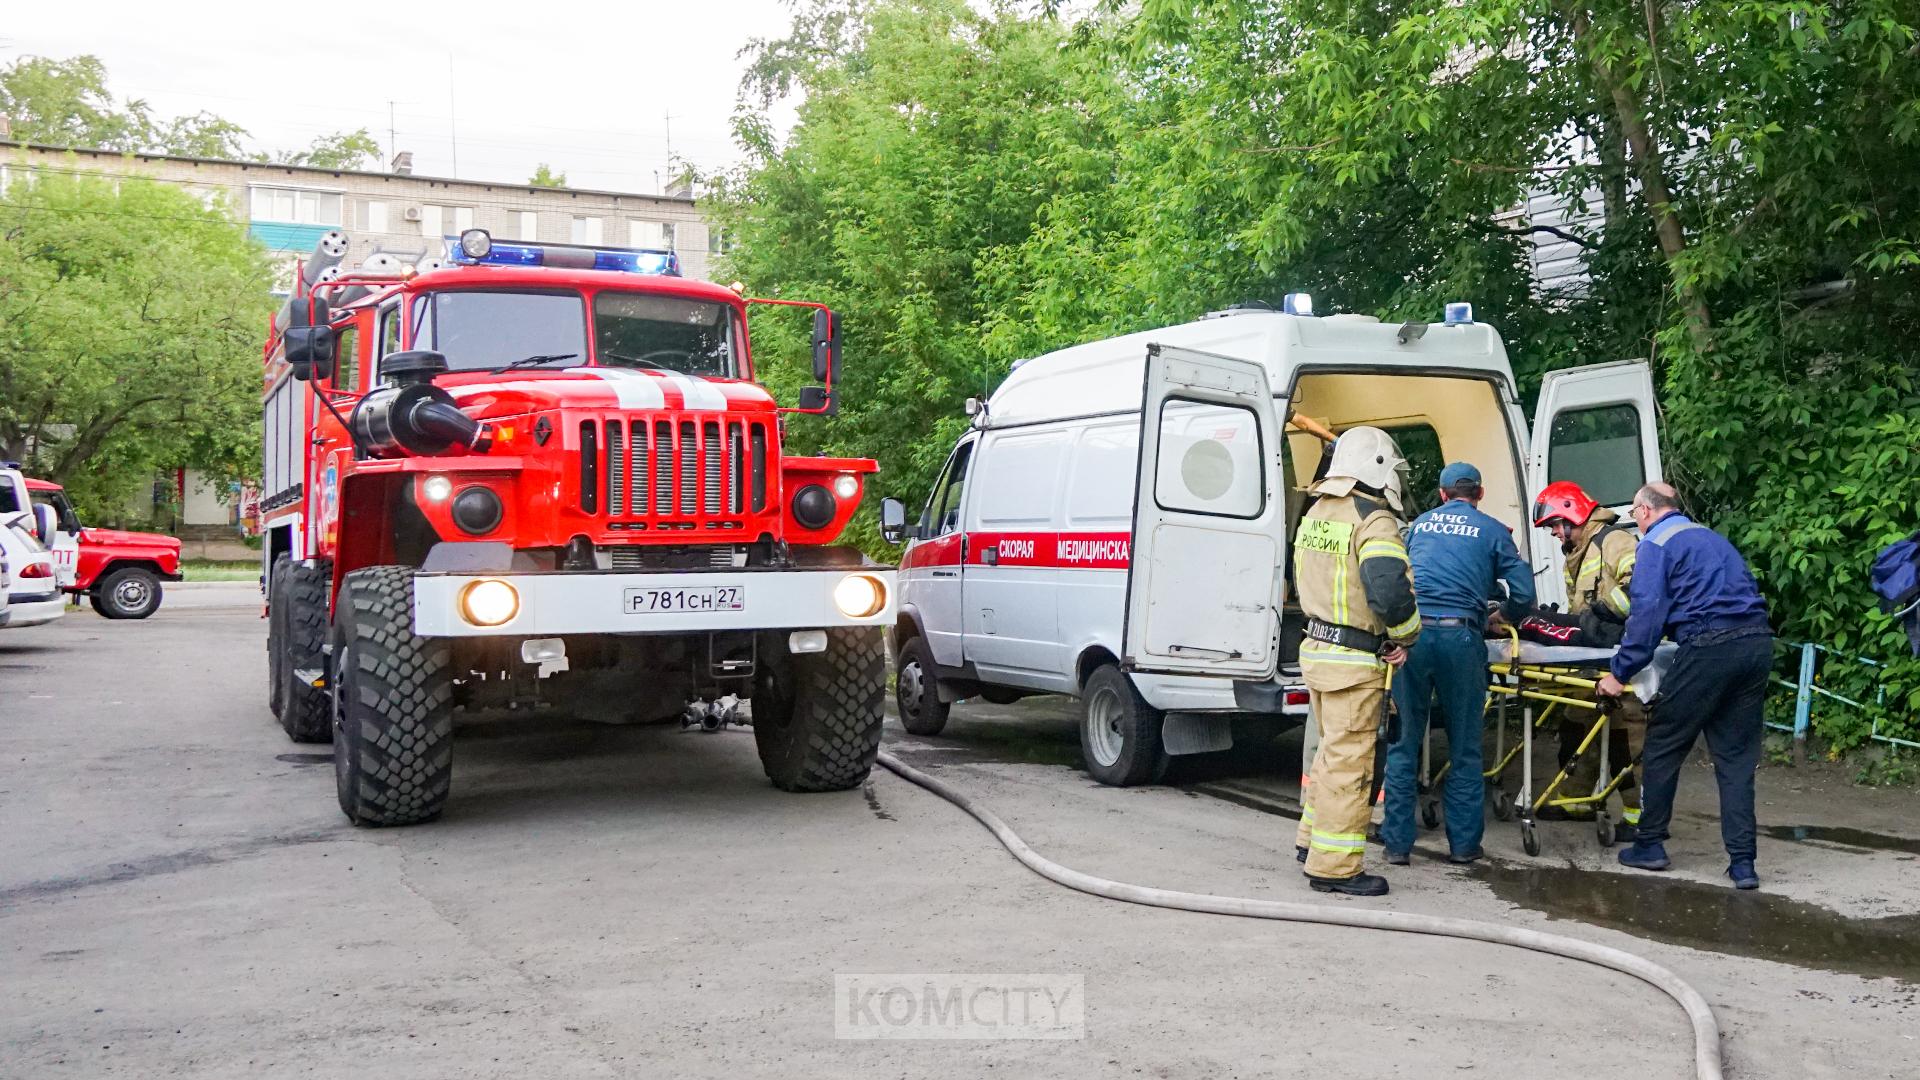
{"type": "Point", "coordinates": [546, 177]}
{"type": "Point", "coordinates": [340, 150]}
{"type": "Point", "coordinates": [130, 322]}
{"type": "Point", "coordinates": [971, 184]}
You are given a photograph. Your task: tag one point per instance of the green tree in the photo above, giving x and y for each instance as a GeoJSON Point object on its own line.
{"type": "Point", "coordinates": [340, 150]}
{"type": "Point", "coordinates": [546, 177]}
{"type": "Point", "coordinates": [131, 318]}
{"type": "Point", "coordinates": [67, 103]}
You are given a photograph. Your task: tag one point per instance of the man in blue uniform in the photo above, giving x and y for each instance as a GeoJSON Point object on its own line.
{"type": "Point", "coordinates": [1459, 557]}
{"type": "Point", "coordinates": [1690, 584]}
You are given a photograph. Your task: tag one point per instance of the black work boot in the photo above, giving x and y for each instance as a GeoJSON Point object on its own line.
{"type": "Point", "coordinates": [1299, 854]}
{"type": "Point", "coordinates": [1357, 885]}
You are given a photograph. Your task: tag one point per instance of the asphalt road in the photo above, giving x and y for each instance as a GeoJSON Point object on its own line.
{"type": "Point", "coordinates": [179, 895]}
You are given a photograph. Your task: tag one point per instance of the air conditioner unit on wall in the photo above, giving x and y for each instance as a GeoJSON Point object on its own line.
{"type": "Point", "coordinates": [411, 213]}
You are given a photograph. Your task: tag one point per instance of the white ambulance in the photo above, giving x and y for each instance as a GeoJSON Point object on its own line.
{"type": "Point", "coordinates": [1116, 524]}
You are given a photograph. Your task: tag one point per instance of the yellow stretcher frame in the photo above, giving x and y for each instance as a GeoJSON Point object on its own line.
{"type": "Point", "coordinates": [1529, 683]}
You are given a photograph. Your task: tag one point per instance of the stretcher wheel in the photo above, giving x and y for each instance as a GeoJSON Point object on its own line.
{"type": "Point", "coordinates": [1603, 830]}
{"type": "Point", "coordinates": [1529, 839]}
{"type": "Point", "coordinates": [1430, 813]}
{"type": "Point", "coordinates": [1503, 805]}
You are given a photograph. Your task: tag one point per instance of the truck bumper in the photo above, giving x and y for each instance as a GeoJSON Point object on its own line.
{"type": "Point", "coordinates": [668, 602]}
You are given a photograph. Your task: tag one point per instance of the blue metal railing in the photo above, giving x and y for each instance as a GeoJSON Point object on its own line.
{"type": "Point", "coordinates": [1806, 687]}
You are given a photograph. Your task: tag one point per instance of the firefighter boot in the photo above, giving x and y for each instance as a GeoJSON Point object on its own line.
{"type": "Point", "coordinates": [1357, 885]}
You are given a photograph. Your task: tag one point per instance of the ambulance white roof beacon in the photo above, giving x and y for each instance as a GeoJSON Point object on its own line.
{"type": "Point", "coordinates": [1120, 514]}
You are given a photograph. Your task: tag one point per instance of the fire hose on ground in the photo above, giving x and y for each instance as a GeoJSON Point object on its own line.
{"type": "Point", "coordinates": [1706, 1031]}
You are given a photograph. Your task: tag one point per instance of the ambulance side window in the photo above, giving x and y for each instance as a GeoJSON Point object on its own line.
{"type": "Point", "coordinates": [942, 515]}
{"type": "Point", "coordinates": [1598, 448]}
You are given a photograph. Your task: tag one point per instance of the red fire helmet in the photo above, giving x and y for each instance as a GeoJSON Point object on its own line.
{"type": "Point", "coordinates": [1564, 500]}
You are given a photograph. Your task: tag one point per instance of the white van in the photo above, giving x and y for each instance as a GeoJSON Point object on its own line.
{"type": "Point", "coordinates": [1116, 525]}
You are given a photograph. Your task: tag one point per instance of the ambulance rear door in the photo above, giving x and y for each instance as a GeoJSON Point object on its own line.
{"type": "Point", "coordinates": [1599, 427]}
{"type": "Point", "coordinates": [1208, 548]}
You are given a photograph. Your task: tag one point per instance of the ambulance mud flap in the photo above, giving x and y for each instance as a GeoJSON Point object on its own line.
{"type": "Point", "coordinates": [1196, 733]}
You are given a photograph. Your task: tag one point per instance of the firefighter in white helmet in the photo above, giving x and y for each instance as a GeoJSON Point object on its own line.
{"type": "Point", "coordinates": [1355, 585]}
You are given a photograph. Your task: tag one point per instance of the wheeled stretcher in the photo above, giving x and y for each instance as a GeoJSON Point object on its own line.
{"type": "Point", "coordinates": [1542, 683]}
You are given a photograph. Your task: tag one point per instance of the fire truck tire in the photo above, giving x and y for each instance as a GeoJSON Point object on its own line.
{"type": "Point", "coordinates": [916, 691]}
{"type": "Point", "coordinates": [276, 616]}
{"type": "Point", "coordinates": [1119, 731]}
{"type": "Point", "coordinates": [392, 704]}
{"type": "Point", "coordinates": [301, 607]}
{"type": "Point", "coordinates": [817, 716]}
{"type": "Point", "coordinates": [132, 593]}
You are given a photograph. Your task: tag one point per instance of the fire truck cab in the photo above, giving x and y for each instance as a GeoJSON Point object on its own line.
{"type": "Point", "coordinates": [542, 477]}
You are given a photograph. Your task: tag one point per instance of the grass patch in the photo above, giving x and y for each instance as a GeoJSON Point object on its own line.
{"type": "Point", "coordinates": [219, 570]}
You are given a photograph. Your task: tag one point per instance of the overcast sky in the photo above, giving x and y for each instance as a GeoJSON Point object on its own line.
{"type": "Point", "coordinates": [587, 88]}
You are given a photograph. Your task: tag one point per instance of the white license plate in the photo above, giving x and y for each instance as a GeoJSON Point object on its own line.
{"type": "Point", "coordinates": [703, 598]}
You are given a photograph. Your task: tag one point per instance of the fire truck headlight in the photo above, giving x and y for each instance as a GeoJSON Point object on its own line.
{"type": "Point", "coordinates": [859, 596]}
{"type": "Point", "coordinates": [437, 488]}
{"type": "Point", "coordinates": [846, 486]}
{"type": "Point", "coordinates": [476, 244]}
{"type": "Point", "coordinates": [814, 507]}
{"type": "Point", "coordinates": [476, 510]}
{"type": "Point", "coordinates": [489, 602]}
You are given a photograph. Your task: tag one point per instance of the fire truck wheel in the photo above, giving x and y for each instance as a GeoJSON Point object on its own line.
{"type": "Point", "coordinates": [916, 692]}
{"type": "Point", "coordinates": [301, 608]}
{"type": "Point", "coordinates": [817, 716]}
{"type": "Point", "coordinates": [1119, 731]}
{"type": "Point", "coordinates": [132, 593]}
{"type": "Point", "coordinates": [276, 615]}
{"type": "Point", "coordinates": [392, 704]}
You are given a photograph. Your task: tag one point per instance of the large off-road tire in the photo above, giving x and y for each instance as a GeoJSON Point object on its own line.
{"type": "Point", "coordinates": [392, 703]}
{"type": "Point", "coordinates": [276, 620]}
{"type": "Point", "coordinates": [131, 593]}
{"type": "Point", "coordinates": [299, 607]}
{"type": "Point", "coordinates": [916, 690]}
{"type": "Point", "coordinates": [1119, 731]}
{"type": "Point", "coordinates": [817, 716]}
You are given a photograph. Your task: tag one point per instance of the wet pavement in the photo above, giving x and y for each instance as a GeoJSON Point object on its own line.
{"type": "Point", "coordinates": [1262, 777]}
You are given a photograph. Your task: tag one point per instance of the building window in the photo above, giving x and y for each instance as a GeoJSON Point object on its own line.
{"type": "Point", "coordinates": [586, 230]}
{"type": "Point", "coordinates": [529, 225]}
{"type": "Point", "coordinates": [642, 234]}
{"type": "Point", "coordinates": [376, 216]}
{"type": "Point", "coordinates": [717, 242]}
{"type": "Point", "coordinates": [666, 235]}
{"type": "Point", "coordinates": [462, 219]}
{"type": "Point", "coordinates": [430, 220]}
{"type": "Point", "coordinates": [295, 205]}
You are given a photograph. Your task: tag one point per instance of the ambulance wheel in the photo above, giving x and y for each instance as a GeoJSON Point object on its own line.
{"type": "Point", "coordinates": [1119, 731]}
{"type": "Point", "coordinates": [1503, 805]}
{"type": "Point", "coordinates": [1529, 839]}
{"type": "Point", "coordinates": [299, 607]}
{"type": "Point", "coordinates": [817, 717]}
{"type": "Point", "coordinates": [1430, 813]}
{"type": "Point", "coordinates": [132, 593]}
{"type": "Point", "coordinates": [1603, 830]}
{"type": "Point", "coordinates": [392, 704]}
{"type": "Point", "coordinates": [917, 692]}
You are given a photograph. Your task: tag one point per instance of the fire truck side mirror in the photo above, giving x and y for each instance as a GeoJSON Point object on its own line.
{"type": "Point", "coordinates": [309, 341]}
{"type": "Point", "coordinates": [826, 346]}
{"type": "Point", "coordinates": [893, 521]}
{"type": "Point", "coordinates": [816, 399]}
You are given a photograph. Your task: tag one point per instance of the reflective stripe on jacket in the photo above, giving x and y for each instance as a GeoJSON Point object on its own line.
{"type": "Point", "coordinates": [1351, 569]}
{"type": "Point", "coordinates": [1601, 572]}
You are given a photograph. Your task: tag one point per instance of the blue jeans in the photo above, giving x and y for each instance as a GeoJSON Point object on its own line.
{"type": "Point", "coordinates": [1451, 662]}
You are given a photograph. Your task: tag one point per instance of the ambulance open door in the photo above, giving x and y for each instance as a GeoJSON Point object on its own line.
{"type": "Point", "coordinates": [1597, 426]}
{"type": "Point", "coordinates": [1208, 548]}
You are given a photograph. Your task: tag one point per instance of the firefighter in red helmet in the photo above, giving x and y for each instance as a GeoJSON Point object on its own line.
{"type": "Point", "coordinates": [1600, 551]}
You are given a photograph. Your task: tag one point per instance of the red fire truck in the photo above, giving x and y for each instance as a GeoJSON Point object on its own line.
{"type": "Point", "coordinates": [544, 477]}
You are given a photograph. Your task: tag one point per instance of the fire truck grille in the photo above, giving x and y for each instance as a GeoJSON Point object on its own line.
{"type": "Point", "coordinates": [680, 474]}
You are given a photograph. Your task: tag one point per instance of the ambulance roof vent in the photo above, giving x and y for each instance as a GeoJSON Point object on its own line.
{"type": "Point", "coordinates": [1244, 307]}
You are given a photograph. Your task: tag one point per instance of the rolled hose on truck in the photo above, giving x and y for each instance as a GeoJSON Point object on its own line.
{"type": "Point", "coordinates": [1706, 1031]}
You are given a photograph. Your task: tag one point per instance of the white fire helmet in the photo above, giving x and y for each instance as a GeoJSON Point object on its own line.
{"type": "Point", "coordinates": [1369, 456]}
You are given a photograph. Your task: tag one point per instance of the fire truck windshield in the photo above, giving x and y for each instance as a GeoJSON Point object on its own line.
{"type": "Point", "coordinates": [485, 329]}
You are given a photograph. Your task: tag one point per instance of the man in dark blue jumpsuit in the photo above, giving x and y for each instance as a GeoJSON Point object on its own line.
{"type": "Point", "coordinates": [1459, 556]}
{"type": "Point", "coordinates": [1690, 584]}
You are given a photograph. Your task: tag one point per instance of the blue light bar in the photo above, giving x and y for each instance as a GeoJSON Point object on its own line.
{"type": "Point", "coordinates": [625, 260]}
{"type": "Point", "coordinates": [1459, 314]}
{"type": "Point", "coordinates": [1297, 303]}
